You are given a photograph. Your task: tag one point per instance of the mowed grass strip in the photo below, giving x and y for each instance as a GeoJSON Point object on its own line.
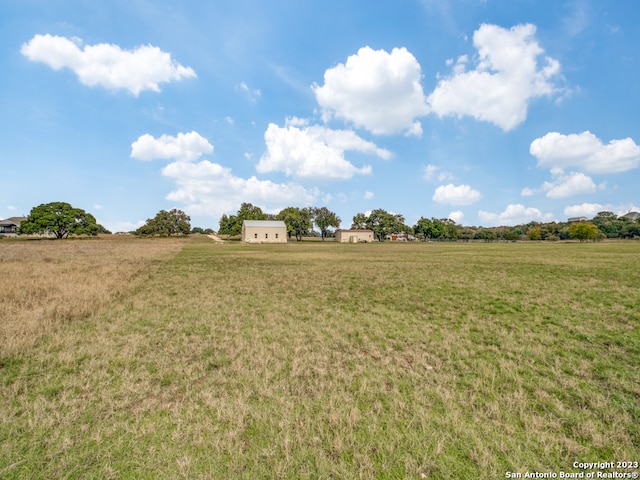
{"type": "Point", "coordinates": [339, 361]}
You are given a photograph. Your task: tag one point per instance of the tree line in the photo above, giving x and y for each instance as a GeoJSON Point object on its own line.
{"type": "Point", "coordinates": [60, 220]}
{"type": "Point", "coordinates": [299, 221]}
{"type": "Point", "coordinates": [605, 224]}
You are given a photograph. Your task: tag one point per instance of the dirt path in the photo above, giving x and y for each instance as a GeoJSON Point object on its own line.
{"type": "Point", "coordinates": [215, 237]}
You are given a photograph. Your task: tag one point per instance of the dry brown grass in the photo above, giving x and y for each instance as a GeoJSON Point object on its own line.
{"type": "Point", "coordinates": [47, 282]}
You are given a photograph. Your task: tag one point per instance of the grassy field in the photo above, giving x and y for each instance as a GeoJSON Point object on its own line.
{"type": "Point", "coordinates": [130, 358]}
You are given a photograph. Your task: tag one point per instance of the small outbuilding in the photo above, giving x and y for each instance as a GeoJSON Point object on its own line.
{"type": "Point", "coordinates": [264, 231]}
{"type": "Point", "coordinates": [354, 236]}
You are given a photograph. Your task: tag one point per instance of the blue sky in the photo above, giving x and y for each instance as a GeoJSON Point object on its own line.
{"type": "Point", "coordinates": [487, 112]}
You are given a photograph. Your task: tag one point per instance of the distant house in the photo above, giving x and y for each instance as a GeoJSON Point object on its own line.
{"type": "Point", "coordinates": [264, 231]}
{"type": "Point", "coordinates": [400, 237]}
{"type": "Point", "coordinates": [10, 225]}
{"type": "Point", "coordinates": [354, 236]}
{"type": "Point", "coordinates": [633, 216]}
{"type": "Point", "coordinates": [577, 219]}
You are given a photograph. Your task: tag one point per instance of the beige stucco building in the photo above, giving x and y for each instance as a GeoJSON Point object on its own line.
{"type": "Point", "coordinates": [354, 236]}
{"type": "Point", "coordinates": [264, 231]}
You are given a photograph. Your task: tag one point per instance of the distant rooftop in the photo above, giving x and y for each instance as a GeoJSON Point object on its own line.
{"type": "Point", "coordinates": [632, 215]}
{"type": "Point", "coordinates": [263, 223]}
{"type": "Point", "coordinates": [13, 220]}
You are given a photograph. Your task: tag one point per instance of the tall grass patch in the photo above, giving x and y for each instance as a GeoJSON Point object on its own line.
{"type": "Point", "coordinates": [338, 361]}
{"type": "Point", "coordinates": [45, 283]}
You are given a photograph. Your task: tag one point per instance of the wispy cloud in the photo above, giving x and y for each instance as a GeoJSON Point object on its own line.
{"type": "Point", "coordinates": [435, 173]}
{"type": "Point", "coordinates": [252, 94]}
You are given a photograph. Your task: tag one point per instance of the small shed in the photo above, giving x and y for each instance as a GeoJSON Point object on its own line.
{"type": "Point", "coordinates": [264, 231]}
{"type": "Point", "coordinates": [354, 236]}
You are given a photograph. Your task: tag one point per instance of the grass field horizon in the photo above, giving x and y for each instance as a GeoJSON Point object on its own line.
{"type": "Point", "coordinates": [187, 358]}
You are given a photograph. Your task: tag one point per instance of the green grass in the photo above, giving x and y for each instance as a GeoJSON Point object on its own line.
{"type": "Point", "coordinates": [440, 361]}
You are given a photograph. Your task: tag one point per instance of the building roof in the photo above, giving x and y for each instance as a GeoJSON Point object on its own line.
{"type": "Point", "coordinates": [263, 223]}
{"type": "Point", "coordinates": [355, 230]}
{"type": "Point", "coordinates": [632, 215]}
{"type": "Point", "coordinates": [13, 221]}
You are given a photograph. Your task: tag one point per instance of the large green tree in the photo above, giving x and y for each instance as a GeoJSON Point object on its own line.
{"type": "Point", "coordinates": [534, 233]}
{"type": "Point", "coordinates": [452, 230]}
{"type": "Point", "coordinates": [381, 222]}
{"type": "Point", "coordinates": [437, 229]}
{"type": "Point", "coordinates": [60, 219]}
{"type": "Point", "coordinates": [583, 231]}
{"type": "Point", "coordinates": [297, 220]}
{"type": "Point", "coordinates": [324, 218]}
{"type": "Point", "coordinates": [608, 223]}
{"type": "Point", "coordinates": [166, 224]}
{"type": "Point", "coordinates": [359, 221]}
{"type": "Point", "coordinates": [630, 228]}
{"type": "Point", "coordinates": [486, 234]}
{"type": "Point", "coordinates": [232, 224]}
{"type": "Point", "coordinates": [429, 229]}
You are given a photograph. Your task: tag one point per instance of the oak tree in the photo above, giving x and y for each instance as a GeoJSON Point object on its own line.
{"type": "Point", "coordinates": [297, 220]}
{"type": "Point", "coordinates": [166, 224]}
{"type": "Point", "coordinates": [583, 231]}
{"type": "Point", "coordinates": [324, 218]}
{"type": "Point", "coordinates": [60, 219]}
{"type": "Point", "coordinates": [381, 222]}
{"type": "Point", "coordinates": [232, 224]}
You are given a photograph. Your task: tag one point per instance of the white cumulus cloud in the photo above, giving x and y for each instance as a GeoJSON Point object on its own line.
{"type": "Point", "coordinates": [375, 90]}
{"type": "Point", "coordinates": [457, 216]}
{"type": "Point", "coordinates": [586, 151]}
{"type": "Point", "coordinates": [207, 188]}
{"type": "Point", "coordinates": [564, 185]}
{"type": "Point", "coordinates": [514, 214]}
{"type": "Point", "coordinates": [508, 75]}
{"type": "Point", "coordinates": [590, 210]}
{"type": "Point", "coordinates": [314, 152]}
{"type": "Point", "coordinates": [107, 65]}
{"type": "Point", "coordinates": [184, 146]}
{"type": "Point", "coordinates": [456, 194]}
{"type": "Point", "coordinates": [583, 210]}
{"type": "Point", "coordinates": [569, 185]}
